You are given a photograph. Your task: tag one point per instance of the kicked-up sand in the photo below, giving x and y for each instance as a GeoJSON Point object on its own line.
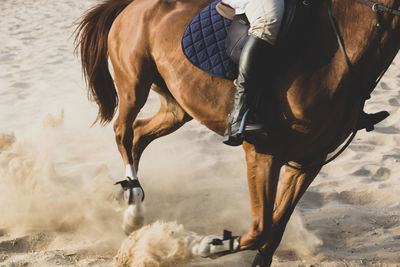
{"type": "Point", "coordinates": [56, 172]}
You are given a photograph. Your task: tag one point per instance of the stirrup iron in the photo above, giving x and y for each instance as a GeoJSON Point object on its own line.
{"type": "Point", "coordinates": [244, 127]}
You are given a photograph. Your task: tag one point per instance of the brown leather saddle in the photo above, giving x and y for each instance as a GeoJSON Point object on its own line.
{"type": "Point", "coordinates": [238, 31]}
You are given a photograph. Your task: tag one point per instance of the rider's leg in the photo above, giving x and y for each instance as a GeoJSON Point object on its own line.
{"type": "Point", "coordinates": [255, 65]}
{"type": "Point", "coordinates": [251, 66]}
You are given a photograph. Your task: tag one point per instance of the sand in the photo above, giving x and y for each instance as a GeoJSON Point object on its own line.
{"type": "Point", "coordinates": [57, 172]}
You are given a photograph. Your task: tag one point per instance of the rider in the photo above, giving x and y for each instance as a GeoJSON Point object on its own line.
{"type": "Point", "coordinates": [256, 65]}
{"type": "Point", "coordinates": [265, 17]}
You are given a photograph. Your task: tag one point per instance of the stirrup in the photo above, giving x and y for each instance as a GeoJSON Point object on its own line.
{"type": "Point", "coordinates": [250, 127]}
{"type": "Point", "coordinates": [129, 184]}
{"type": "Point", "coordinates": [216, 246]}
{"type": "Point", "coordinates": [254, 128]}
{"type": "Point", "coordinates": [244, 128]}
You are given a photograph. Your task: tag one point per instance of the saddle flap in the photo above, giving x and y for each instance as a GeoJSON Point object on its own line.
{"type": "Point", "coordinates": [203, 43]}
{"type": "Point", "coordinates": [237, 37]}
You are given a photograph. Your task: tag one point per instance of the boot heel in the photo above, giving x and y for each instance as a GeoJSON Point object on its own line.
{"type": "Point", "coordinates": [233, 140]}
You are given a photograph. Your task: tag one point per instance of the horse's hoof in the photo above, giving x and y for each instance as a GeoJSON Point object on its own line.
{"type": "Point", "coordinates": [205, 245]}
{"type": "Point", "coordinates": [213, 246]}
{"type": "Point", "coordinates": [133, 218]}
{"type": "Point", "coordinates": [133, 215]}
{"type": "Point", "coordinates": [261, 261]}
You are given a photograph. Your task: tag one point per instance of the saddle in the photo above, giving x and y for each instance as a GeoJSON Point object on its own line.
{"type": "Point", "coordinates": [215, 37]}
{"type": "Point", "coordinates": [238, 32]}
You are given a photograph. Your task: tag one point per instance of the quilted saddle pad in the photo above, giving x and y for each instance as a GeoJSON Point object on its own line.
{"type": "Point", "coordinates": [203, 43]}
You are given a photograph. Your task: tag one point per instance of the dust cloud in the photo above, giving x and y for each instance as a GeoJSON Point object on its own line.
{"type": "Point", "coordinates": [38, 195]}
{"type": "Point", "coordinates": [159, 244]}
{"type": "Point", "coordinates": [46, 187]}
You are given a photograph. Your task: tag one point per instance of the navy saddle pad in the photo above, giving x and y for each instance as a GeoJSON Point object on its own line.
{"type": "Point", "coordinates": [204, 43]}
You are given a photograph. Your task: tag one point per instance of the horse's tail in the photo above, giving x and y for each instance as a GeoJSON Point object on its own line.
{"type": "Point", "coordinates": [91, 44]}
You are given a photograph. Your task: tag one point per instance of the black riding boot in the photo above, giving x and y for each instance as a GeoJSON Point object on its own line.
{"type": "Point", "coordinates": [254, 71]}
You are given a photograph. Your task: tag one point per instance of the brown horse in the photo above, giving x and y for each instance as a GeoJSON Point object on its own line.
{"type": "Point", "coordinates": [317, 100]}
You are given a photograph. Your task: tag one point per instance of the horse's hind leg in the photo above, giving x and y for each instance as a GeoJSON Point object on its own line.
{"type": "Point", "coordinates": [133, 83]}
{"type": "Point", "coordinates": [168, 119]}
{"type": "Point", "coordinates": [292, 187]}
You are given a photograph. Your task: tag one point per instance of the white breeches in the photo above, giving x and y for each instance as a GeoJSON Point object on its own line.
{"type": "Point", "coordinates": [265, 17]}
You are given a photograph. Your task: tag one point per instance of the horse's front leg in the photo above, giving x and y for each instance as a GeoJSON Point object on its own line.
{"type": "Point", "coordinates": [263, 175]}
{"type": "Point", "coordinates": [292, 187]}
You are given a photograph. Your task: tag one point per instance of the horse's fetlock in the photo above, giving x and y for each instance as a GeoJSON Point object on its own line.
{"type": "Point", "coordinates": [256, 231]}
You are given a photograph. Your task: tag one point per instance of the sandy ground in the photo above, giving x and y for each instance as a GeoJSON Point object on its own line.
{"type": "Point", "coordinates": [57, 172]}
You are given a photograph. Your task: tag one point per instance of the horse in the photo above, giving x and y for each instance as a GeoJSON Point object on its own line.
{"type": "Point", "coordinates": [317, 96]}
